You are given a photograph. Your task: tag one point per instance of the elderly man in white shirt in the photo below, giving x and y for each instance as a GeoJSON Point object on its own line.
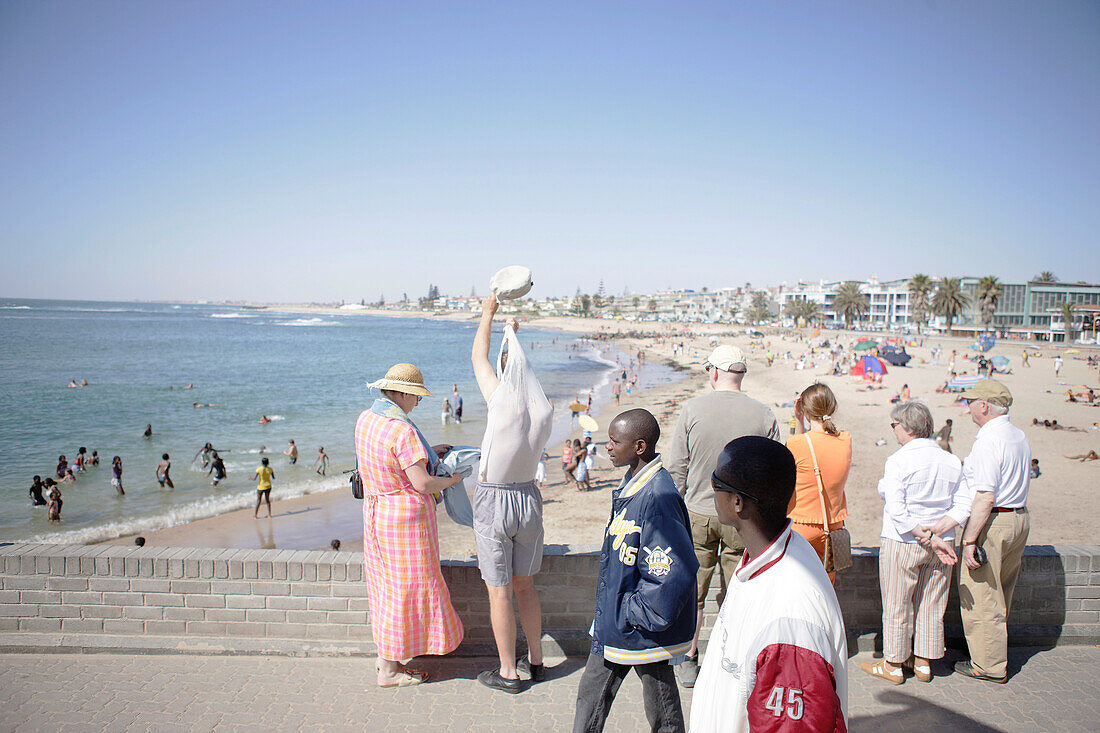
{"type": "Point", "coordinates": [997, 471]}
{"type": "Point", "coordinates": [926, 500]}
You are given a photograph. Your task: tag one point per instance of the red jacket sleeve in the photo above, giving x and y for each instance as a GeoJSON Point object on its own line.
{"type": "Point", "coordinates": [795, 690]}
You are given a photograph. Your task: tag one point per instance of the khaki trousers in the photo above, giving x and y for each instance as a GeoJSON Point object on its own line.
{"type": "Point", "coordinates": [713, 541]}
{"type": "Point", "coordinates": [985, 594]}
{"type": "Point", "coordinates": [914, 585]}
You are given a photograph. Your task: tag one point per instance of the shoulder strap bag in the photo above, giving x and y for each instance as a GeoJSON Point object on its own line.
{"type": "Point", "coordinates": [838, 543]}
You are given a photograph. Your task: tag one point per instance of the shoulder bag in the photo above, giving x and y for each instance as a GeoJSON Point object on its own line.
{"type": "Point", "coordinates": [838, 543]}
{"type": "Point", "coordinates": [356, 483]}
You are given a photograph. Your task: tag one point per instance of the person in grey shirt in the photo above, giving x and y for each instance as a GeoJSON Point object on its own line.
{"type": "Point", "coordinates": [707, 423]}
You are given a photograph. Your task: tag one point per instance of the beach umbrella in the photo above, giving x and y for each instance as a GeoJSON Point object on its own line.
{"type": "Point", "coordinates": [964, 381]}
{"type": "Point", "coordinates": [865, 345]}
{"type": "Point", "coordinates": [868, 365]}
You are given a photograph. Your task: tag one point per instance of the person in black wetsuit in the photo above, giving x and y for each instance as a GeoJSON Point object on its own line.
{"type": "Point", "coordinates": [36, 492]}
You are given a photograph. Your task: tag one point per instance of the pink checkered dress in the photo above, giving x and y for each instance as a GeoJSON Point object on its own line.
{"type": "Point", "coordinates": [411, 611]}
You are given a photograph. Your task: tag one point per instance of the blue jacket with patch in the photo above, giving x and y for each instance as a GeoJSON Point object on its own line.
{"type": "Point", "coordinates": [645, 596]}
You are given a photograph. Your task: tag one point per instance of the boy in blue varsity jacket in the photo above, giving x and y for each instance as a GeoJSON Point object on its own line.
{"type": "Point", "coordinates": [645, 596]}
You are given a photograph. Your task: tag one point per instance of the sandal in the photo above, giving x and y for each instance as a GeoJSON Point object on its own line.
{"type": "Point", "coordinates": [408, 678]}
{"type": "Point", "coordinates": [878, 669]}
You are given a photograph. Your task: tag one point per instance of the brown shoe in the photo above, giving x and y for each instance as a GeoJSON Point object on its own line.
{"type": "Point", "coordinates": [966, 668]}
{"type": "Point", "coordinates": [878, 669]}
{"type": "Point", "coordinates": [922, 672]}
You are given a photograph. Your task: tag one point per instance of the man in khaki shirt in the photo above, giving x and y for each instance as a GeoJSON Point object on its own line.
{"type": "Point", "coordinates": [707, 423]}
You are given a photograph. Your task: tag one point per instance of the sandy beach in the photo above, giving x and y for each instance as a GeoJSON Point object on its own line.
{"type": "Point", "coordinates": [1063, 500]}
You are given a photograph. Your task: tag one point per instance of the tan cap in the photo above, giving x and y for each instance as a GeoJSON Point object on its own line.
{"type": "Point", "coordinates": [403, 378]}
{"type": "Point", "coordinates": [991, 391]}
{"type": "Point", "coordinates": [726, 358]}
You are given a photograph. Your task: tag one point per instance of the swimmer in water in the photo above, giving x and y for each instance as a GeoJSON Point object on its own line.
{"type": "Point", "coordinates": [163, 478]}
{"type": "Point", "coordinates": [291, 452]}
{"type": "Point", "coordinates": [116, 475]}
{"type": "Point", "coordinates": [37, 487]}
{"type": "Point", "coordinates": [264, 419]}
{"type": "Point", "coordinates": [148, 431]}
{"type": "Point", "coordinates": [217, 467]}
{"type": "Point", "coordinates": [321, 464]}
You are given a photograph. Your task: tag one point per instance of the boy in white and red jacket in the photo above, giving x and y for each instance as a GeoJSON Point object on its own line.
{"type": "Point", "coordinates": [777, 658]}
{"type": "Point", "coordinates": [645, 595]}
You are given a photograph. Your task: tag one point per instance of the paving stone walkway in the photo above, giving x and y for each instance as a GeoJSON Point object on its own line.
{"type": "Point", "coordinates": [1050, 690]}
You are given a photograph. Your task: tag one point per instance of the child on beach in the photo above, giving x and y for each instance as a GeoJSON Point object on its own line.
{"type": "Point", "coordinates": [263, 477]}
{"type": "Point", "coordinates": [1034, 472]}
{"type": "Point", "coordinates": [163, 478]}
{"type": "Point", "coordinates": [566, 460]}
{"type": "Point", "coordinates": [321, 464]}
{"type": "Point", "coordinates": [540, 470]}
{"type": "Point", "coordinates": [645, 610]}
{"type": "Point", "coordinates": [81, 458]}
{"type": "Point", "coordinates": [116, 475]}
{"type": "Point", "coordinates": [62, 467]}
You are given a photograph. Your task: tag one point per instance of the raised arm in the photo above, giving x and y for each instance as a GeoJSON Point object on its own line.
{"type": "Point", "coordinates": [487, 380]}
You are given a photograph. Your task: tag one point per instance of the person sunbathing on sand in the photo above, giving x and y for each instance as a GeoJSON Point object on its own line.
{"type": "Point", "coordinates": [1090, 456]}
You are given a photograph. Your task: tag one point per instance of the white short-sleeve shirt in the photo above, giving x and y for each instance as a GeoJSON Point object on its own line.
{"type": "Point", "coordinates": [1000, 462]}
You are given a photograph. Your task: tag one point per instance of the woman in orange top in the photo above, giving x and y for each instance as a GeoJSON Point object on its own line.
{"type": "Point", "coordinates": [833, 449]}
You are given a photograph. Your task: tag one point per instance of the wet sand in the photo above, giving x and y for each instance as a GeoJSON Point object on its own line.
{"type": "Point", "coordinates": [1064, 501]}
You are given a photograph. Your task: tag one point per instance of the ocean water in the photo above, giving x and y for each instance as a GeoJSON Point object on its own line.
{"type": "Point", "coordinates": [307, 373]}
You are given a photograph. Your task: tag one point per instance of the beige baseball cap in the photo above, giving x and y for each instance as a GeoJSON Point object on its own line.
{"type": "Point", "coordinates": [991, 391]}
{"type": "Point", "coordinates": [726, 358]}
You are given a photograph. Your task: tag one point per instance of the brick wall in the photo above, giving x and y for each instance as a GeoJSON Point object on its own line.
{"type": "Point", "coordinates": [281, 601]}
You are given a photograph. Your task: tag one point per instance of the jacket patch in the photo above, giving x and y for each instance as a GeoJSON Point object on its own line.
{"type": "Point", "coordinates": [659, 560]}
{"type": "Point", "coordinates": [620, 528]}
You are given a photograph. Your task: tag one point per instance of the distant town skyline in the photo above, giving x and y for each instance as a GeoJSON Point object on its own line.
{"type": "Point", "coordinates": [342, 151]}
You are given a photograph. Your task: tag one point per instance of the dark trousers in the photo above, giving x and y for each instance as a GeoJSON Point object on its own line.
{"type": "Point", "coordinates": [600, 683]}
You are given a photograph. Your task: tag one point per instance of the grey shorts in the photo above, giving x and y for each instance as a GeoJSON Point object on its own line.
{"type": "Point", "coordinates": [508, 531]}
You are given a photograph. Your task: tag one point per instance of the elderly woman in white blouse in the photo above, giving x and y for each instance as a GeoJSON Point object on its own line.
{"type": "Point", "coordinates": [926, 500]}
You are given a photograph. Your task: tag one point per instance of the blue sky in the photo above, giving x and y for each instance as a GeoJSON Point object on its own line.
{"type": "Point", "coordinates": [287, 151]}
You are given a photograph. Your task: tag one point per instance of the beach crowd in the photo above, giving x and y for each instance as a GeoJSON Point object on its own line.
{"type": "Point", "coordinates": [47, 492]}
{"type": "Point", "coordinates": [728, 493]}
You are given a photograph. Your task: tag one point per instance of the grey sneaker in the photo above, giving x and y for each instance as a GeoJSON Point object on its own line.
{"type": "Point", "coordinates": [688, 671]}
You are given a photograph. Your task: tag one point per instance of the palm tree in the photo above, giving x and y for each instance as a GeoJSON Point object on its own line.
{"type": "Point", "coordinates": [989, 292]}
{"type": "Point", "coordinates": [850, 302]}
{"type": "Point", "coordinates": [808, 310]}
{"type": "Point", "coordinates": [920, 287]}
{"type": "Point", "coordinates": [949, 300]}
{"type": "Point", "coordinates": [759, 310]}
{"type": "Point", "coordinates": [1046, 276]}
{"type": "Point", "coordinates": [1067, 319]}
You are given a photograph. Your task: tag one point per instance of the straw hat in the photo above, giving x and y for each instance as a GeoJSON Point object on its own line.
{"type": "Point", "coordinates": [403, 378]}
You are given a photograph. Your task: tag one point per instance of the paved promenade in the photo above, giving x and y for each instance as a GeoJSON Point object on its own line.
{"type": "Point", "coordinates": [1050, 690]}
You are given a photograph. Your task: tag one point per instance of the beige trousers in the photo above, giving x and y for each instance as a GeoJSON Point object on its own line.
{"type": "Point", "coordinates": [714, 543]}
{"type": "Point", "coordinates": [985, 594]}
{"type": "Point", "coordinates": [914, 585]}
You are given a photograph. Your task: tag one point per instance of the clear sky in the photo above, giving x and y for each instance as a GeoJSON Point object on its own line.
{"type": "Point", "coordinates": [287, 151]}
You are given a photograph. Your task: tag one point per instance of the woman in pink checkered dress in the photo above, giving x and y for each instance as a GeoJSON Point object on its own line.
{"type": "Point", "coordinates": [411, 611]}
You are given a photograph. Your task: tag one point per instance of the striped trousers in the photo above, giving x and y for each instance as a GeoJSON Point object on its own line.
{"type": "Point", "coordinates": [914, 585]}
